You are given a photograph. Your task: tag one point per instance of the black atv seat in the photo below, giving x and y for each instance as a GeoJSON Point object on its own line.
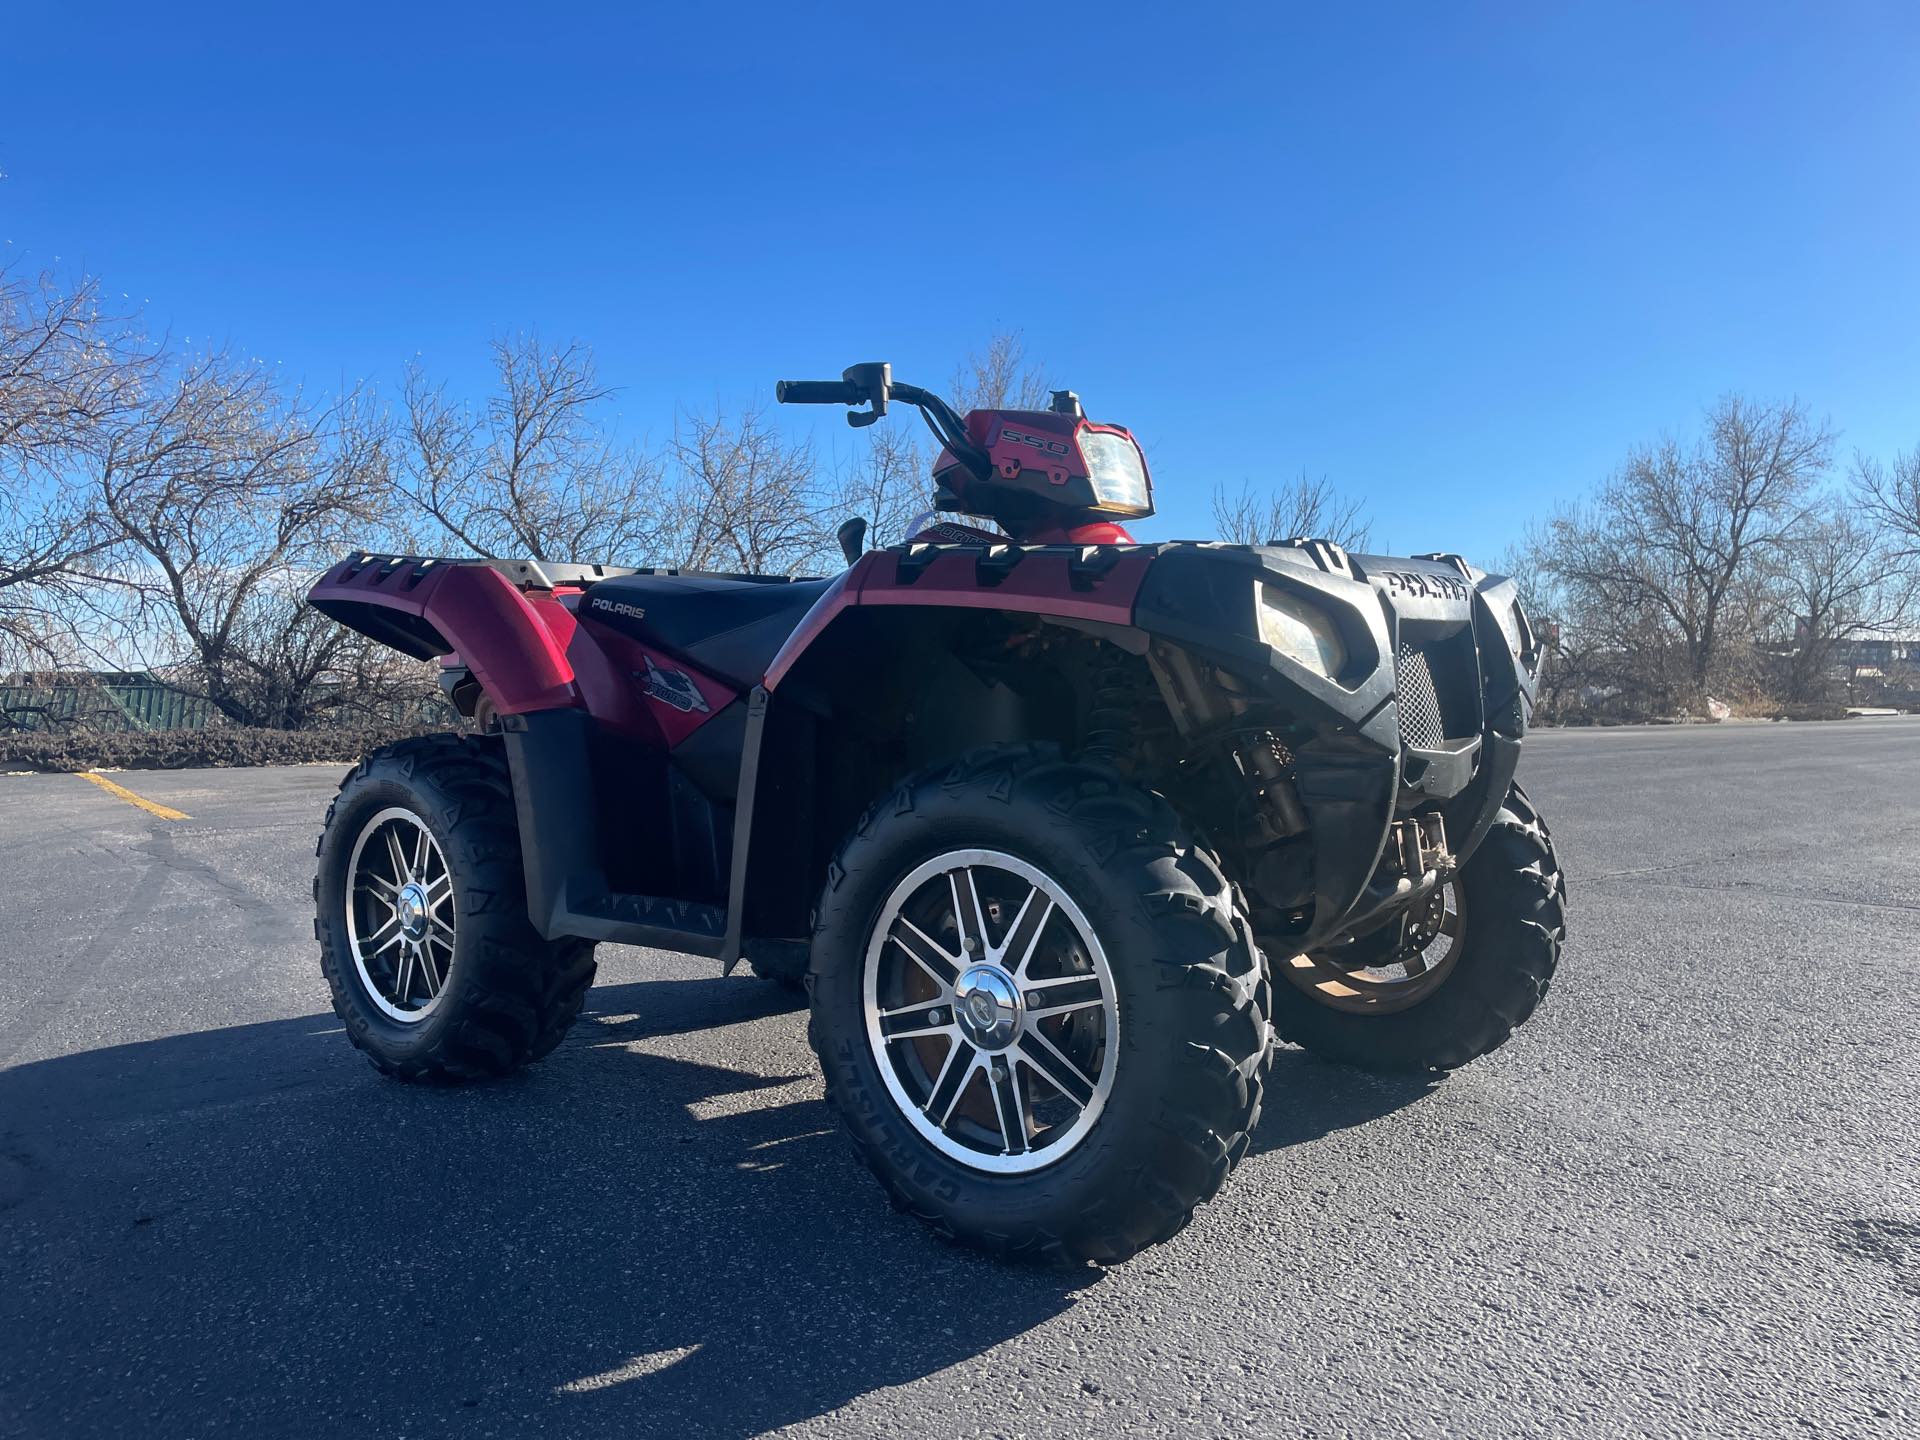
{"type": "Point", "coordinates": [731, 626]}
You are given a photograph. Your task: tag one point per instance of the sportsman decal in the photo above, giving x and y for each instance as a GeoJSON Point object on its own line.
{"type": "Point", "coordinates": [672, 687]}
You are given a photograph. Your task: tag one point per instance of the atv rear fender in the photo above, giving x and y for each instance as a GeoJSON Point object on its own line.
{"type": "Point", "coordinates": [515, 647]}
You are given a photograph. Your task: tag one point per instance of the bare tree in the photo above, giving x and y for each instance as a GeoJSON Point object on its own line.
{"type": "Point", "coordinates": [1566, 664]}
{"type": "Point", "coordinates": [1890, 495]}
{"type": "Point", "coordinates": [1674, 544]}
{"type": "Point", "coordinates": [228, 498]}
{"type": "Point", "coordinates": [533, 472]}
{"type": "Point", "coordinates": [1839, 583]}
{"type": "Point", "coordinates": [888, 484]}
{"type": "Point", "coordinates": [50, 548]}
{"type": "Point", "coordinates": [1620, 661]}
{"type": "Point", "coordinates": [1300, 507]}
{"type": "Point", "coordinates": [68, 367]}
{"type": "Point", "coordinates": [740, 496]}
{"type": "Point", "coordinates": [1000, 377]}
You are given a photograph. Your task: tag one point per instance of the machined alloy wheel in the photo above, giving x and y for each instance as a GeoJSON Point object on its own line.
{"type": "Point", "coordinates": [435, 967]}
{"type": "Point", "coordinates": [400, 914]}
{"type": "Point", "coordinates": [1397, 966]}
{"type": "Point", "coordinates": [991, 1011]}
{"type": "Point", "coordinates": [1038, 1006]}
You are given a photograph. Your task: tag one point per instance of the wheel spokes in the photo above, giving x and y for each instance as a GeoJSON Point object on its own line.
{"type": "Point", "coordinates": [392, 920]}
{"type": "Point", "coordinates": [382, 888]}
{"type": "Point", "coordinates": [955, 1016]}
{"type": "Point", "coordinates": [396, 855]}
{"type": "Point", "coordinates": [391, 940]}
{"type": "Point", "coordinates": [1009, 1108]}
{"type": "Point", "coordinates": [404, 958]}
{"type": "Point", "coordinates": [1063, 1074]}
{"type": "Point", "coordinates": [912, 1021]}
{"type": "Point", "coordinates": [968, 917]}
{"type": "Point", "coordinates": [944, 968]}
{"type": "Point", "coordinates": [1023, 936]}
{"type": "Point", "coordinates": [955, 1071]}
{"type": "Point", "coordinates": [1062, 995]}
{"type": "Point", "coordinates": [429, 972]}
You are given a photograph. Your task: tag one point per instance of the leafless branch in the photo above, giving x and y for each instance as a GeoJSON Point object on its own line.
{"type": "Point", "coordinates": [1300, 507]}
{"type": "Point", "coordinates": [1679, 552]}
{"type": "Point", "coordinates": [533, 472]}
{"type": "Point", "coordinates": [999, 377]}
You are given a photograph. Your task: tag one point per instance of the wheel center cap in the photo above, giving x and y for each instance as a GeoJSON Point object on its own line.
{"type": "Point", "coordinates": [987, 1005]}
{"type": "Point", "coordinates": [412, 905]}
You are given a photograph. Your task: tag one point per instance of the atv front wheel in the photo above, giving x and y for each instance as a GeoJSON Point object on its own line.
{"type": "Point", "coordinates": [1039, 1007]}
{"type": "Point", "coordinates": [434, 967]}
{"type": "Point", "coordinates": [1481, 961]}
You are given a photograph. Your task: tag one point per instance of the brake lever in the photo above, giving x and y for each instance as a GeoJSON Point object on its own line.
{"type": "Point", "coordinates": [876, 379]}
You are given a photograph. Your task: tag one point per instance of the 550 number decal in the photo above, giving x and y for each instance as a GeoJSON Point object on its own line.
{"type": "Point", "coordinates": [1045, 444]}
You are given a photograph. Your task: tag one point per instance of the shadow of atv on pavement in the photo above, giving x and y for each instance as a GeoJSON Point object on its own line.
{"type": "Point", "coordinates": [248, 1230]}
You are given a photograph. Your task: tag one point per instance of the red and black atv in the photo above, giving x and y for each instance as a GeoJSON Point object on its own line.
{"type": "Point", "coordinates": [1026, 807]}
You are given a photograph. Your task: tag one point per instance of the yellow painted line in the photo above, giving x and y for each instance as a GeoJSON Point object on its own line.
{"type": "Point", "coordinates": [165, 812]}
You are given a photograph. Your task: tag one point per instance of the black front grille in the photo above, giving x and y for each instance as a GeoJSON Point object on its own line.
{"type": "Point", "coordinates": [1420, 724]}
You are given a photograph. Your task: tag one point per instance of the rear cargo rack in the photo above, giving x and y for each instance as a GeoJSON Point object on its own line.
{"type": "Point", "coordinates": [539, 574]}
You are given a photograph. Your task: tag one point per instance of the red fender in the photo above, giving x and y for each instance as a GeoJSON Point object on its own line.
{"type": "Point", "coordinates": [1055, 580]}
{"type": "Point", "coordinates": [426, 608]}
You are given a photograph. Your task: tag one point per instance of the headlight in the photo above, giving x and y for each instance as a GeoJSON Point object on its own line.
{"type": "Point", "coordinates": [1300, 630]}
{"type": "Point", "coordinates": [1113, 466]}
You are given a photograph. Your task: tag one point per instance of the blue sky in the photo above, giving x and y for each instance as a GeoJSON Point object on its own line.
{"type": "Point", "coordinates": [1457, 258]}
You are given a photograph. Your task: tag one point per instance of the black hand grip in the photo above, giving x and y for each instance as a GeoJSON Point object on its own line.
{"type": "Point", "coordinates": [818, 392]}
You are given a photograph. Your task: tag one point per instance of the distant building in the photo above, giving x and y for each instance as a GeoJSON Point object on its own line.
{"type": "Point", "coordinates": [1872, 669]}
{"type": "Point", "coordinates": [1882, 652]}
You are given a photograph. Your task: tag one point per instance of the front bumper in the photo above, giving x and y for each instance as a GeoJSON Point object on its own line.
{"type": "Point", "coordinates": [1426, 712]}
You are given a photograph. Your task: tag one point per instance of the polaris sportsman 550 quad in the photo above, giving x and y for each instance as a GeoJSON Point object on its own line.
{"type": "Point", "coordinates": [1059, 830]}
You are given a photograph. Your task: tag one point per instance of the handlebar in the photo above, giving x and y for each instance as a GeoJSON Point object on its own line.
{"type": "Point", "coordinates": [873, 385]}
{"type": "Point", "coordinates": [818, 392]}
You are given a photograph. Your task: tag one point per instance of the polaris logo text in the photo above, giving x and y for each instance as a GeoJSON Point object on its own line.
{"type": "Point", "coordinates": [614, 607]}
{"type": "Point", "coordinates": [1429, 587]}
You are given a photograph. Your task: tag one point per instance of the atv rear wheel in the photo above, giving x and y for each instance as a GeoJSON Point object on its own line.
{"type": "Point", "coordinates": [1039, 1007]}
{"type": "Point", "coordinates": [434, 967]}
{"type": "Point", "coordinates": [1472, 976]}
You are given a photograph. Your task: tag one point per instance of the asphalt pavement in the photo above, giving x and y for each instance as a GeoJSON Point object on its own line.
{"type": "Point", "coordinates": [1684, 1200]}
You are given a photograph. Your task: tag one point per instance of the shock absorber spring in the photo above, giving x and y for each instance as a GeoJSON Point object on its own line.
{"type": "Point", "coordinates": [1110, 715]}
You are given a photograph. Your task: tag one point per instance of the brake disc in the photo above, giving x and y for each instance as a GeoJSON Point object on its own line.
{"type": "Point", "coordinates": [1424, 923]}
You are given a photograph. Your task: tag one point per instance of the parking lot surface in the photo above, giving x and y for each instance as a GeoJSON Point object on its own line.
{"type": "Point", "coordinates": [1685, 1199]}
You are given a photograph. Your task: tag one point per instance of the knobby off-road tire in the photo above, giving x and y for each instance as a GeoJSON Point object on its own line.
{"type": "Point", "coordinates": [789, 972]}
{"type": "Point", "coordinates": [1513, 912]}
{"type": "Point", "coordinates": [1190, 987]}
{"type": "Point", "coordinates": [506, 996]}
